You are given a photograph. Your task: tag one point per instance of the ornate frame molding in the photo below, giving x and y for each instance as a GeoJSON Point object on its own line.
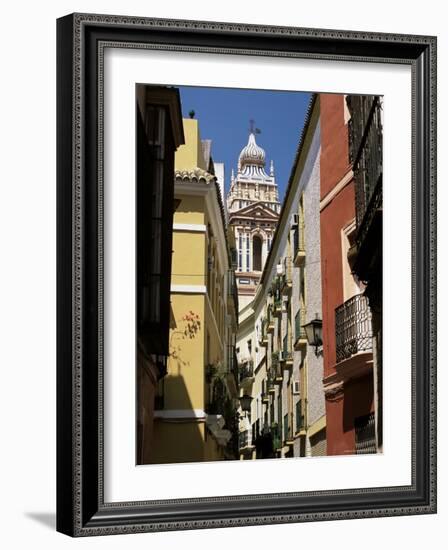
{"type": "Point", "coordinates": [81, 510]}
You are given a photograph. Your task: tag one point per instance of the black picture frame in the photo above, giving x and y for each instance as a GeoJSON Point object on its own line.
{"type": "Point", "coordinates": [81, 510]}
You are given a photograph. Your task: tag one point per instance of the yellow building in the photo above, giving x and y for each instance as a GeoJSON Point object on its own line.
{"type": "Point", "coordinates": [195, 409]}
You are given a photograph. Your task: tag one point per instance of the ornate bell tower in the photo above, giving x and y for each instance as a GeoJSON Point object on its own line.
{"type": "Point", "coordinates": [253, 208]}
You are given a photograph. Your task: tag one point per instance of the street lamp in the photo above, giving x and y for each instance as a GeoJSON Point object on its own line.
{"type": "Point", "coordinates": [313, 331]}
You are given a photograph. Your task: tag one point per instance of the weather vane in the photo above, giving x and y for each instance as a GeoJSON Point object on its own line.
{"type": "Point", "coordinates": [252, 128]}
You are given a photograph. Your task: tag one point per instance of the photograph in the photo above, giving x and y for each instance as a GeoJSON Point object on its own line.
{"type": "Point", "coordinates": [244, 336]}
{"type": "Point", "coordinates": [259, 274]}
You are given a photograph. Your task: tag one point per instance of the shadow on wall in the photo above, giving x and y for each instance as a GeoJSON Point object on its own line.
{"type": "Point", "coordinates": [358, 401]}
{"type": "Point", "coordinates": [178, 435]}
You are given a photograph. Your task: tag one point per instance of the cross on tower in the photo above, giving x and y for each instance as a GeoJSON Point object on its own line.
{"type": "Point", "coordinates": [252, 126]}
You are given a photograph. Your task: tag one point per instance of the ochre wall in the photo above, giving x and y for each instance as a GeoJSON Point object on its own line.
{"type": "Point", "coordinates": [190, 209]}
{"type": "Point", "coordinates": [184, 382]}
{"type": "Point", "coordinates": [178, 445]}
{"type": "Point", "coordinates": [190, 155]}
{"type": "Point", "coordinates": [188, 266]}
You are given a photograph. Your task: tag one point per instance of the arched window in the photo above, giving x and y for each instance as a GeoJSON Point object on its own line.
{"type": "Point", "coordinates": [257, 243]}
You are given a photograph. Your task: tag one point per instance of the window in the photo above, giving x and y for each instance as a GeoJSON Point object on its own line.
{"type": "Point", "coordinates": [257, 249]}
{"type": "Point", "coordinates": [299, 416]}
{"type": "Point", "coordinates": [247, 253]}
{"type": "Point", "coordinates": [240, 253]}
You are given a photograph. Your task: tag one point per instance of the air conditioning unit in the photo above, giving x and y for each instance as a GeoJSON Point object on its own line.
{"type": "Point", "coordinates": [294, 220]}
{"type": "Point", "coordinates": [295, 387]}
{"type": "Point", "coordinates": [280, 355]}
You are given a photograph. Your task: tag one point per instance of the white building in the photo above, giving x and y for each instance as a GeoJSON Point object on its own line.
{"type": "Point", "coordinates": [278, 368]}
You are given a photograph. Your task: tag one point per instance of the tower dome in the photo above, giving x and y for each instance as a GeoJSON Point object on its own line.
{"type": "Point", "coordinates": [252, 154]}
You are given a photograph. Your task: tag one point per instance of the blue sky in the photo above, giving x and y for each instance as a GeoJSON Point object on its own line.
{"type": "Point", "coordinates": [224, 115]}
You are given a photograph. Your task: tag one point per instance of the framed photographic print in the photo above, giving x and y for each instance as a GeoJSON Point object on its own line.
{"type": "Point", "coordinates": [246, 274]}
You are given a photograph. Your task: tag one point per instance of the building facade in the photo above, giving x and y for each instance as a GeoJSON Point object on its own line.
{"type": "Point", "coordinates": [159, 134]}
{"type": "Point", "coordinates": [347, 317]}
{"type": "Point", "coordinates": [279, 369]}
{"type": "Point", "coordinates": [195, 417]}
{"type": "Point", "coordinates": [253, 210]}
{"type": "Point", "coordinates": [366, 253]}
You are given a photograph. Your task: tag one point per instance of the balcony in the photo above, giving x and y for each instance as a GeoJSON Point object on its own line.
{"type": "Point", "coordinates": [277, 296]}
{"type": "Point", "coordinates": [299, 245]}
{"type": "Point", "coordinates": [300, 428]}
{"type": "Point", "coordinates": [288, 429]}
{"type": "Point", "coordinates": [270, 318]}
{"type": "Point", "coordinates": [366, 155]}
{"type": "Point", "coordinates": [246, 372]}
{"type": "Point", "coordinates": [286, 277]}
{"type": "Point", "coordinates": [277, 310]}
{"type": "Point", "coordinates": [353, 328]}
{"type": "Point", "coordinates": [264, 392]}
{"type": "Point", "coordinates": [245, 441]}
{"type": "Point", "coordinates": [287, 357]}
{"type": "Point", "coordinates": [276, 369]}
{"type": "Point", "coordinates": [366, 149]}
{"type": "Point", "coordinates": [232, 371]}
{"type": "Point", "coordinates": [299, 332]}
{"type": "Point", "coordinates": [264, 333]}
{"type": "Point", "coordinates": [276, 434]}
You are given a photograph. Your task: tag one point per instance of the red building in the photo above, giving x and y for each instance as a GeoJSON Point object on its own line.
{"type": "Point", "coordinates": [347, 333]}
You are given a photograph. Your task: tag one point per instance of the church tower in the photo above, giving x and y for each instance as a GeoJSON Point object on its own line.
{"type": "Point", "coordinates": [253, 210]}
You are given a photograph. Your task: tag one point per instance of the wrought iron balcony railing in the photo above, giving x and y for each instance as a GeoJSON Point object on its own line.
{"type": "Point", "coordinates": [288, 428]}
{"type": "Point", "coordinates": [299, 243]}
{"type": "Point", "coordinates": [255, 431]}
{"type": "Point", "coordinates": [353, 327]}
{"type": "Point", "coordinates": [245, 439]}
{"type": "Point", "coordinates": [246, 370]}
{"type": "Point", "coordinates": [299, 321]}
{"type": "Point", "coordinates": [264, 332]}
{"type": "Point", "coordinates": [300, 417]}
{"type": "Point", "coordinates": [270, 317]}
{"type": "Point", "coordinates": [277, 373]}
{"type": "Point", "coordinates": [366, 149]}
{"type": "Point", "coordinates": [276, 433]}
{"type": "Point", "coordinates": [286, 277]}
{"type": "Point", "coordinates": [286, 351]}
